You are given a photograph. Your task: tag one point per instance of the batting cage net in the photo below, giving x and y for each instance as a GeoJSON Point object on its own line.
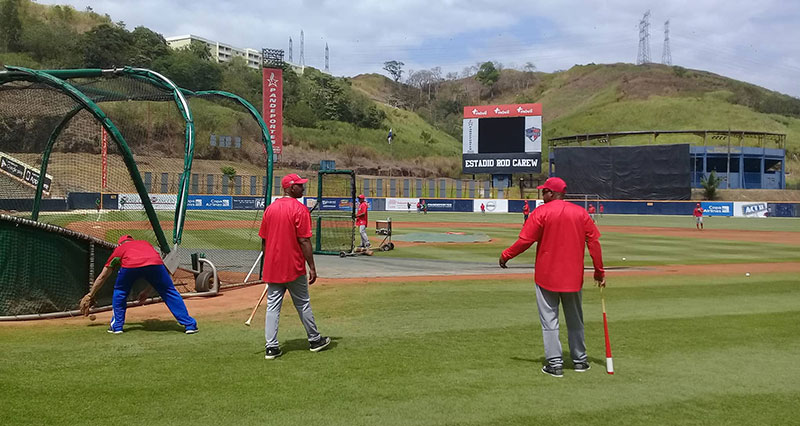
{"type": "Point", "coordinates": [333, 212]}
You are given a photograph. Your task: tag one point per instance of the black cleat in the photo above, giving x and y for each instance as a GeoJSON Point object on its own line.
{"type": "Point", "coordinates": [553, 371]}
{"type": "Point", "coordinates": [272, 353]}
{"type": "Point", "coordinates": [580, 367]}
{"type": "Point", "coordinates": [319, 344]}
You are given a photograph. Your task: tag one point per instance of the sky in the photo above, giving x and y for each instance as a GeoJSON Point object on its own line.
{"type": "Point", "coordinates": [752, 41]}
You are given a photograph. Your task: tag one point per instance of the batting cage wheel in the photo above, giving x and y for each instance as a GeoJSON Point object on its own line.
{"type": "Point", "coordinates": [204, 281]}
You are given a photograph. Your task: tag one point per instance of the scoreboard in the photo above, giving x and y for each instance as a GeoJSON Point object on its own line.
{"type": "Point", "coordinates": [502, 139]}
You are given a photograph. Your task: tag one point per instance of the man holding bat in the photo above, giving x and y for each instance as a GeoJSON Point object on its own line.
{"type": "Point", "coordinates": [562, 230]}
{"type": "Point", "coordinates": [285, 233]}
{"type": "Point", "coordinates": [137, 260]}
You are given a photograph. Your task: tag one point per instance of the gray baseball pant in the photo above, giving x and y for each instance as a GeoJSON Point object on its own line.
{"type": "Point", "coordinates": [364, 239]}
{"type": "Point", "coordinates": [298, 289]}
{"type": "Point", "coordinates": [548, 315]}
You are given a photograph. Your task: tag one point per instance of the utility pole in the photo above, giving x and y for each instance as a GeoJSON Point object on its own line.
{"type": "Point", "coordinates": [290, 50]}
{"type": "Point", "coordinates": [302, 49]}
{"type": "Point", "coordinates": [643, 57]}
{"type": "Point", "coordinates": [666, 56]}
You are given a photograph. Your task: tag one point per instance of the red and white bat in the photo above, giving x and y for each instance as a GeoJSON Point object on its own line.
{"type": "Point", "coordinates": [609, 360]}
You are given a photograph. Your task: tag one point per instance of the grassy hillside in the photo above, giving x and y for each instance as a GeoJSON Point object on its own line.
{"type": "Point", "coordinates": [625, 97]}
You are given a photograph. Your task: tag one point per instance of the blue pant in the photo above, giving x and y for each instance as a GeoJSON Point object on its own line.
{"type": "Point", "coordinates": [159, 278]}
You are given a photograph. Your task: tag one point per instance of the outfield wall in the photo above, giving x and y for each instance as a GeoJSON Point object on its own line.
{"type": "Point", "coordinates": [83, 201]}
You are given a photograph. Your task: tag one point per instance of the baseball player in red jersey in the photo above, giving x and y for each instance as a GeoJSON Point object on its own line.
{"type": "Point", "coordinates": [362, 219]}
{"type": "Point", "coordinates": [286, 243]}
{"type": "Point", "coordinates": [526, 210]}
{"type": "Point", "coordinates": [562, 230]}
{"type": "Point", "coordinates": [137, 260]}
{"type": "Point", "coordinates": [698, 216]}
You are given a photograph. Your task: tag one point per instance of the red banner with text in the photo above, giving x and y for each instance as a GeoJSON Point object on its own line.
{"type": "Point", "coordinates": [272, 80]}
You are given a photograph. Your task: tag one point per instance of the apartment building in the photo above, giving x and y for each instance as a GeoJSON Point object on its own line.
{"type": "Point", "coordinates": [220, 52]}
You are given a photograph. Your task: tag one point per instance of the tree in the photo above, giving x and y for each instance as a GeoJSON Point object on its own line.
{"type": "Point", "coordinates": [189, 71]}
{"type": "Point", "coordinates": [147, 47]}
{"type": "Point", "coordinates": [488, 76]}
{"type": "Point", "coordinates": [395, 69]}
{"type": "Point", "coordinates": [710, 185]}
{"type": "Point", "coordinates": [10, 25]}
{"type": "Point", "coordinates": [229, 173]}
{"type": "Point", "coordinates": [106, 46]}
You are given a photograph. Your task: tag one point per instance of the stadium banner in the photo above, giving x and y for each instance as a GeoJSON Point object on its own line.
{"type": "Point", "coordinates": [401, 204]}
{"type": "Point", "coordinates": [491, 205]}
{"type": "Point", "coordinates": [83, 200]}
{"type": "Point", "coordinates": [248, 203]}
{"type": "Point", "coordinates": [209, 202]}
{"type": "Point", "coordinates": [272, 92]}
{"type": "Point", "coordinates": [520, 162]}
{"type": "Point", "coordinates": [716, 208]}
{"type": "Point", "coordinates": [23, 172]}
{"type": "Point", "coordinates": [159, 201]}
{"type": "Point", "coordinates": [750, 209]}
{"type": "Point", "coordinates": [335, 204]}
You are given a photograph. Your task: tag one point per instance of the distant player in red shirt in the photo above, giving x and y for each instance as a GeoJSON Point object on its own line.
{"type": "Point", "coordinates": [601, 209]}
{"type": "Point", "coordinates": [592, 212]}
{"type": "Point", "coordinates": [137, 260]}
{"type": "Point", "coordinates": [286, 243]}
{"type": "Point", "coordinates": [526, 210]}
{"type": "Point", "coordinates": [483, 208]}
{"type": "Point", "coordinates": [362, 220]}
{"type": "Point", "coordinates": [698, 216]}
{"type": "Point", "coordinates": [561, 230]}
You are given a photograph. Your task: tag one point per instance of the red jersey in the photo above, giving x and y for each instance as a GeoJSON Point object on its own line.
{"type": "Point", "coordinates": [698, 211]}
{"type": "Point", "coordinates": [285, 220]}
{"type": "Point", "coordinates": [591, 209]}
{"type": "Point", "coordinates": [526, 209]}
{"type": "Point", "coordinates": [362, 209]}
{"type": "Point", "coordinates": [135, 253]}
{"type": "Point", "coordinates": [562, 230]}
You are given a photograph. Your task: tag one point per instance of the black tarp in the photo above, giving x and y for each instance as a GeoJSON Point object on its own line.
{"type": "Point", "coordinates": [657, 172]}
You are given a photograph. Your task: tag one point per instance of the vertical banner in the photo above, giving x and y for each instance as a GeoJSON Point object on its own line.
{"type": "Point", "coordinates": [104, 151]}
{"type": "Point", "coordinates": [272, 92]}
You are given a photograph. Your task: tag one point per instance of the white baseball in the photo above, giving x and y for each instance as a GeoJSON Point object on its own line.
{"type": "Point", "coordinates": [624, 258]}
{"type": "Point", "coordinates": [747, 274]}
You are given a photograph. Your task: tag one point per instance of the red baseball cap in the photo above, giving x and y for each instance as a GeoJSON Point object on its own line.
{"type": "Point", "coordinates": [361, 196]}
{"type": "Point", "coordinates": [292, 179]}
{"type": "Point", "coordinates": [124, 238]}
{"type": "Point", "coordinates": [554, 184]}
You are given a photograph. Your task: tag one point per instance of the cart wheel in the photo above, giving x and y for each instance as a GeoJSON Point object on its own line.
{"type": "Point", "coordinates": [342, 254]}
{"type": "Point", "coordinates": [385, 247]}
{"type": "Point", "coordinates": [204, 281]}
{"type": "Point", "coordinates": [391, 246]}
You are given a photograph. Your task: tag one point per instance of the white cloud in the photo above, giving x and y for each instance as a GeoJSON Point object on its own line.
{"type": "Point", "coordinates": [750, 41]}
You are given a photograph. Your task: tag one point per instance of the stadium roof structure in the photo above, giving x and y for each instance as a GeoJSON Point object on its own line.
{"type": "Point", "coordinates": [714, 135]}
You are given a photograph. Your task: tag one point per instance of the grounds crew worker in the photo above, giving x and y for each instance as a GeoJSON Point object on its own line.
{"type": "Point", "coordinates": [285, 240]}
{"type": "Point", "coordinates": [561, 229]}
{"type": "Point", "coordinates": [362, 219]}
{"type": "Point", "coordinates": [137, 260]}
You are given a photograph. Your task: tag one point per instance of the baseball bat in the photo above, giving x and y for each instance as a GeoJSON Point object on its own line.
{"type": "Point", "coordinates": [252, 314]}
{"type": "Point", "coordinates": [609, 360]}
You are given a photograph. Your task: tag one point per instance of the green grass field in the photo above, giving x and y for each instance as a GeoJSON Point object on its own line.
{"type": "Point", "coordinates": [688, 349]}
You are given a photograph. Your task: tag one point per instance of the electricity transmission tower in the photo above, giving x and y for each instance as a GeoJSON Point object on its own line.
{"type": "Point", "coordinates": [290, 50]}
{"type": "Point", "coordinates": [302, 48]}
{"type": "Point", "coordinates": [666, 57]}
{"type": "Point", "coordinates": [327, 59]}
{"type": "Point", "coordinates": [643, 56]}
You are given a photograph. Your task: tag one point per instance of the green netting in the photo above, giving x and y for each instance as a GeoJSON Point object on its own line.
{"type": "Point", "coordinates": [334, 213]}
{"type": "Point", "coordinates": [56, 266]}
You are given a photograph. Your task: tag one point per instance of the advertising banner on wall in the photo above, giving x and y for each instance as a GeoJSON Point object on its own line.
{"type": "Point", "coordinates": [22, 172]}
{"type": "Point", "coordinates": [491, 205]}
{"type": "Point", "coordinates": [401, 204]}
{"type": "Point", "coordinates": [711, 208]}
{"type": "Point", "coordinates": [248, 203]}
{"type": "Point", "coordinates": [209, 202]}
{"type": "Point", "coordinates": [159, 201]}
{"type": "Point", "coordinates": [750, 209]}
